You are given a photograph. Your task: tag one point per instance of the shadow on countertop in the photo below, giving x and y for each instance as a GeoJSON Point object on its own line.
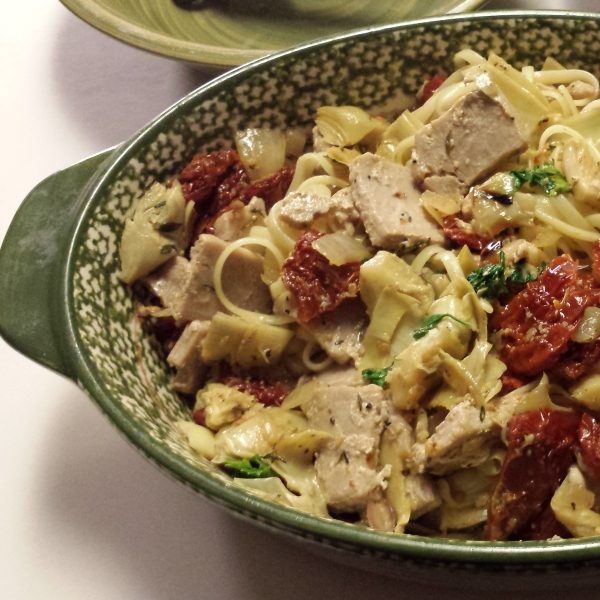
{"type": "Point", "coordinates": [112, 89]}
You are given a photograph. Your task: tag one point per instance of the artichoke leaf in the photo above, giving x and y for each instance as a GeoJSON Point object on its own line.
{"type": "Point", "coordinates": [243, 343]}
{"type": "Point", "coordinates": [159, 229]}
{"type": "Point", "coordinates": [346, 125]}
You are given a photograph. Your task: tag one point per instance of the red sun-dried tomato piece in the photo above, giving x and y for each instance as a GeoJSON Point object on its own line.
{"type": "Point", "coordinates": [235, 186]}
{"type": "Point", "coordinates": [544, 527]}
{"type": "Point", "coordinates": [578, 360]}
{"type": "Point", "coordinates": [271, 188]}
{"type": "Point", "coordinates": [589, 443]}
{"type": "Point", "coordinates": [540, 451]}
{"type": "Point", "coordinates": [538, 322]}
{"type": "Point", "coordinates": [431, 86]}
{"type": "Point", "coordinates": [232, 187]}
{"type": "Point", "coordinates": [266, 393]}
{"type": "Point", "coordinates": [596, 263]}
{"type": "Point", "coordinates": [199, 417]}
{"type": "Point", "coordinates": [461, 236]}
{"type": "Point", "coordinates": [510, 383]}
{"type": "Point", "coordinates": [316, 284]}
{"type": "Point", "coordinates": [165, 329]}
{"type": "Point", "coordinates": [203, 174]}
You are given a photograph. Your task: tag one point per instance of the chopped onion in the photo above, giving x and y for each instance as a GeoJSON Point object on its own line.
{"type": "Point", "coordinates": [295, 140]}
{"type": "Point", "coordinates": [588, 329]}
{"type": "Point", "coordinates": [262, 151]}
{"type": "Point", "coordinates": [340, 248]}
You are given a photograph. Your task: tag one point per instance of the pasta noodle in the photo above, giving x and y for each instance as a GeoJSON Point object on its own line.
{"type": "Point", "coordinates": [385, 333]}
{"type": "Point", "coordinates": [218, 281]}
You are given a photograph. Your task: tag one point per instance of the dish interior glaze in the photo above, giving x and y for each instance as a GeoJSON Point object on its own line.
{"type": "Point", "coordinates": [126, 374]}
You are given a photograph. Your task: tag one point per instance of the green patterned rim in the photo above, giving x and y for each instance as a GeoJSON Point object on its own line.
{"type": "Point", "coordinates": [96, 341]}
{"type": "Point", "coordinates": [226, 38]}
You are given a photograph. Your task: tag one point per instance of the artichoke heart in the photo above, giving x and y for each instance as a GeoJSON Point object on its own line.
{"type": "Point", "coordinates": [386, 268]}
{"type": "Point", "coordinates": [159, 229]}
{"type": "Point", "coordinates": [389, 310]}
{"type": "Point", "coordinates": [244, 343]}
{"type": "Point", "coordinates": [346, 125]}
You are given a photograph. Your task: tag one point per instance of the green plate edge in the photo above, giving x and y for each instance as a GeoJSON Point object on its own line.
{"type": "Point", "coordinates": [338, 535]}
{"type": "Point", "coordinates": [217, 57]}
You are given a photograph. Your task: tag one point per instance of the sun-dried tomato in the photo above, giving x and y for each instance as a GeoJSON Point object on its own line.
{"type": "Point", "coordinates": [510, 383]}
{"type": "Point", "coordinates": [589, 443]}
{"type": "Point", "coordinates": [431, 86]}
{"type": "Point", "coordinates": [457, 234]}
{"type": "Point", "coordinates": [544, 527]}
{"type": "Point", "coordinates": [316, 284]}
{"type": "Point", "coordinates": [596, 263]}
{"type": "Point", "coordinates": [267, 394]}
{"type": "Point", "coordinates": [541, 448]}
{"type": "Point", "coordinates": [203, 174]}
{"type": "Point", "coordinates": [578, 360]}
{"type": "Point", "coordinates": [234, 186]}
{"type": "Point", "coordinates": [538, 322]}
{"type": "Point", "coordinates": [214, 181]}
{"type": "Point", "coordinates": [199, 418]}
{"type": "Point", "coordinates": [271, 188]}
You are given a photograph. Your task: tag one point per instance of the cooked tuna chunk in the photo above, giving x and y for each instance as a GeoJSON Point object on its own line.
{"type": "Point", "coordinates": [444, 185]}
{"type": "Point", "coordinates": [341, 331]}
{"type": "Point", "coordinates": [410, 494]}
{"type": "Point", "coordinates": [168, 280]}
{"type": "Point", "coordinates": [460, 441]}
{"type": "Point", "coordinates": [389, 204]}
{"type": "Point", "coordinates": [347, 465]}
{"type": "Point", "coordinates": [185, 357]}
{"type": "Point", "coordinates": [300, 209]}
{"type": "Point", "coordinates": [242, 283]}
{"type": "Point", "coordinates": [468, 142]}
{"type": "Point", "coordinates": [463, 438]}
{"type": "Point", "coordinates": [233, 224]}
{"type": "Point", "coordinates": [422, 494]}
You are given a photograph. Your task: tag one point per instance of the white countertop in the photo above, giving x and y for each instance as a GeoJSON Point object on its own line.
{"type": "Point", "coordinates": [82, 514]}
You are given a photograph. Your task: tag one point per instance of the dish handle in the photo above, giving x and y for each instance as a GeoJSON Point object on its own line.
{"type": "Point", "coordinates": [32, 257]}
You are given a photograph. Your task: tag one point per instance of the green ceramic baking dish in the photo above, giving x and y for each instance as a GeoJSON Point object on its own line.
{"type": "Point", "coordinates": [62, 305]}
